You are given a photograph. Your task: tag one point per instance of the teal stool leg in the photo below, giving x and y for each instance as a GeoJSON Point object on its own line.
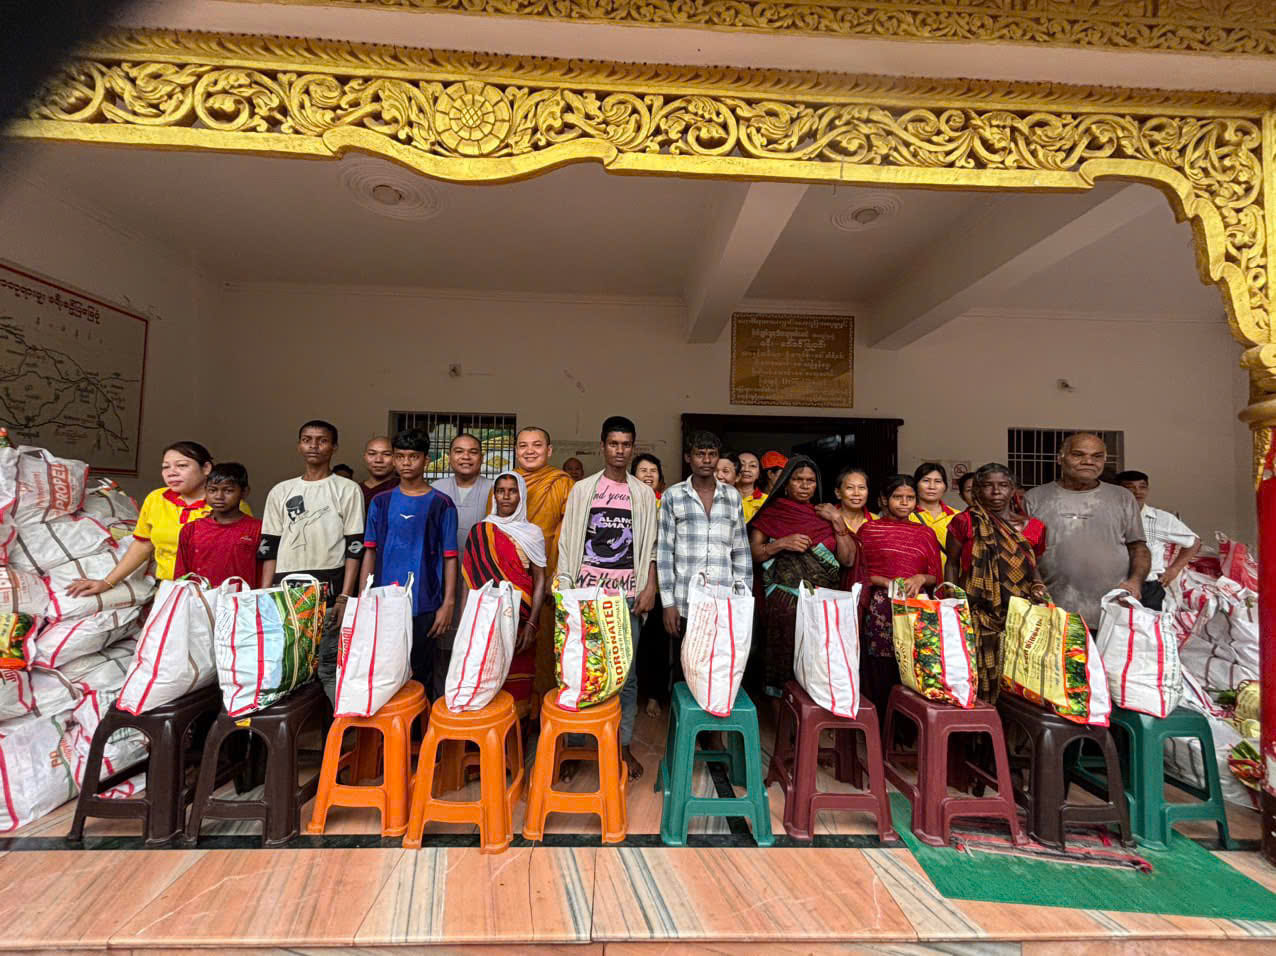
{"type": "Point", "coordinates": [757, 792]}
{"type": "Point", "coordinates": [737, 749]}
{"type": "Point", "coordinates": [673, 818]}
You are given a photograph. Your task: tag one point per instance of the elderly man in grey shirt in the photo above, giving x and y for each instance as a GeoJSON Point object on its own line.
{"type": "Point", "coordinates": [1094, 534]}
{"type": "Point", "coordinates": [469, 491]}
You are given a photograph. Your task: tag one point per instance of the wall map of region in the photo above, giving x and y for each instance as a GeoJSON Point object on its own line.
{"type": "Point", "coordinates": [71, 371]}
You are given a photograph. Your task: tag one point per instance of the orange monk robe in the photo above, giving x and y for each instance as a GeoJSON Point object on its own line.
{"type": "Point", "coordinates": [547, 491]}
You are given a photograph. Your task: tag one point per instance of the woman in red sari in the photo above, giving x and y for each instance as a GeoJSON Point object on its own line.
{"type": "Point", "coordinates": [505, 546]}
{"type": "Point", "coordinates": [893, 547]}
{"type": "Point", "coordinates": [795, 538]}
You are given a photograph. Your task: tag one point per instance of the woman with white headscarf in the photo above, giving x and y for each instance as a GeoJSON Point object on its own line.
{"type": "Point", "coordinates": [505, 546]}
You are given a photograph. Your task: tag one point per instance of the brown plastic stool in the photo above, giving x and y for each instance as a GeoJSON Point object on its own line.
{"type": "Point", "coordinates": [491, 729]}
{"type": "Point", "coordinates": [278, 726]}
{"type": "Point", "coordinates": [602, 722]}
{"type": "Point", "coordinates": [933, 809]}
{"type": "Point", "coordinates": [162, 805]}
{"type": "Point", "coordinates": [391, 727]}
{"type": "Point", "coordinates": [795, 763]}
{"type": "Point", "coordinates": [1049, 773]}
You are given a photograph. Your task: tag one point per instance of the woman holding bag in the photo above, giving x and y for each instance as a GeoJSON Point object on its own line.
{"type": "Point", "coordinates": [992, 554]}
{"type": "Point", "coordinates": [795, 539]}
{"type": "Point", "coordinates": [505, 546]}
{"type": "Point", "coordinates": [895, 547]}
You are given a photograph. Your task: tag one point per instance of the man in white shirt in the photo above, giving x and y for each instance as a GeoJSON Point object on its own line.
{"type": "Point", "coordinates": [469, 491]}
{"type": "Point", "coordinates": [1165, 532]}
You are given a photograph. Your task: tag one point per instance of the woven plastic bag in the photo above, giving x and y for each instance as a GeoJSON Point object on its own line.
{"type": "Point", "coordinates": [1140, 655]}
{"type": "Point", "coordinates": [48, 486]}
{"type": "Point", "coordinates": [59, 642]}
{"type": "Point", "coordinates": [34, 775]}
{"type": "Point", "coordinates": [374, 653]}
{"type": "Point", "coordinates": [593, 645]}
{"type": "Point", "coordinates": [716, 645]}
{"type": "Point", "coordinates": [266, 642]}
{"type": "Point", "coordinates": [45, 545]}
{"type": "Point", "coordinates": [174, 654]}
{"type": "Point", "coordinates": [826, 651]}
{"type": "Point", "coordinates": [935, 644]}
{"type": "Point", "coordinates": [22, 592]}
{"type": "Point", "coordinates": [1049, 658]}
{"type": "Point", "coordinates": [484, 646]}
{"type": "Point", "coordinates": [15, 631]}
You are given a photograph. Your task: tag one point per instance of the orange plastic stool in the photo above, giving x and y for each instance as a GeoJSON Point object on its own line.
{"type": "Point", "coordinates": [608, 801]}
{"type": "Point", "coordinates": [492, 728]}
{"type": "Point", "coordinates": [394, 724]}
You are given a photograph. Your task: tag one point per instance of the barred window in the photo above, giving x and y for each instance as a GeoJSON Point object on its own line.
{"type": "Point", "coordinates": [496, 432]}
{"type": "Point", "coordinates": [1033, 453]}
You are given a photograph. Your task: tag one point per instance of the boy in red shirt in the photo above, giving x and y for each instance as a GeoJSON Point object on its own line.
{"type": "Point", "coordinates": [224, 543]}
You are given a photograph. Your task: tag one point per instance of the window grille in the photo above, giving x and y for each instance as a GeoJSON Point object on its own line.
{"type": "Point", "coordinates": [496, 433]}
{"type": "Point", "coordinates": [1033, 453]}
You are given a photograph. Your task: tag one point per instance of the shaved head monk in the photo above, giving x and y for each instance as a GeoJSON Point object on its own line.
{"type": "Point", "coordinates": [378, 458]}
{"type": "Point", "coordinates": [547, 491]}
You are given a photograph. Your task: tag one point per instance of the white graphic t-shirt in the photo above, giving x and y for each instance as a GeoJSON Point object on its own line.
{"type": "Point", "coordinates": [312, 520]}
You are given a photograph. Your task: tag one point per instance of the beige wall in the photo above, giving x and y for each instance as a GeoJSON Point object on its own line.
{"type": "Point", "coordinates": [76, 244]}
{"type": "Point", "coordinates": [350, 356]}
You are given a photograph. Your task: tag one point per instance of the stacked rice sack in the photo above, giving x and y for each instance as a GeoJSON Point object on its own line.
{"type": "Point", "coordinates": [1216, 620]}
{"type": "Point", "coordinates": [62, 659]}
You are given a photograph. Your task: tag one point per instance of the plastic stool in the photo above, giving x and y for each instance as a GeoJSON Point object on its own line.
{"type": "Point", "coordinates": [1142, 746]}
{"type": "Point", "coordinates": [393, 722]}
{"type": "Point", "coordinates": [686, 721]}
{"type": "Point", "coordinates": [162, 805]}
{"type": "Point", "coordinates": [795, 763]}
{"type": "Point", "coordinates": [491, 729]}
{"type": "Point", "coordinates": [278, 726]}
{"type": "Point", "coordinates": [933, 809]}
{"type": "Point", "coordinates": [1048, 775]}
{"type": "Point", "coordinates": [601, 722]}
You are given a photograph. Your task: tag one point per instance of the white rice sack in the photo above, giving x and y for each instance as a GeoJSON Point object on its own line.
{"type": "Point", "coordinates": [34, 776]}
{"type": "Point", "coordinates": [16, 694]}
{"type": "Point", "coordinates": [110, 505]}
{"type": "Point", "coordinates": [46, 545]}
{"type": "Point", "coordinates": [125, 749]}
{"type": "Point", "coordinates": [58, 642]}
{"type": "Point", "coordinates": [8, 496]}
{"type": "Point", "coordinates": [133, 591]}
{"type": "Point", "coordinates": [103, 672]}
{"type": "Point", "coordinates": [22, 592]}
{"type": "Point", "coordinates": [48, 486]}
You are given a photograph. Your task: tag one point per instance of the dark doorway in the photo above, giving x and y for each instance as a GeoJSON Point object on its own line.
{"type": "Point", "coordinates": [833, 443]}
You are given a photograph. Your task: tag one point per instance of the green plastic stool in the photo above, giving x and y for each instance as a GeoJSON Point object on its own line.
{"type": "Point", "coordinates": [1142, 747]}
{"type": "Point", "coordinates": [744, 757]}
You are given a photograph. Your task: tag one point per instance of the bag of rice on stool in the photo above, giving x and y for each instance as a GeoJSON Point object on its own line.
{"type": "Point", "coordinates": [593, 645]}
{"type": "Point", "coordinates": [935, 644]}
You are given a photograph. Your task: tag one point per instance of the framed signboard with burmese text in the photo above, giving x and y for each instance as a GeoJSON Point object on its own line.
{"type": "Point", "coordinates": [787, 359]}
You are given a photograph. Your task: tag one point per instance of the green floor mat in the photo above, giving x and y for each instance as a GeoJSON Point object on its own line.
{"type": "Point", "coordinates": [1186, 880]}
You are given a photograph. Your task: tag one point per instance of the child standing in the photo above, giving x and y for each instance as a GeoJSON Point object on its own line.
{"type": "Point", "coordinates": [224, 543]}
{"type": "Point", "coordinates": [411, 530]}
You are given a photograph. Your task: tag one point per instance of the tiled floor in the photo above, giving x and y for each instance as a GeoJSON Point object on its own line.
{"type": "Point", "coordinates": [630, 900]}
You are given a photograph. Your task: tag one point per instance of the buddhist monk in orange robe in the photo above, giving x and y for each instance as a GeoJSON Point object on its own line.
{"type": "Point", "coordinates": [547, 491]}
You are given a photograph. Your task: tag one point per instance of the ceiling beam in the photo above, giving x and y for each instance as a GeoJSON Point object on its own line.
{"type": "Point", "coordinates": [743, 230]}
{"type": "Point", "coordinates": [994, 249]}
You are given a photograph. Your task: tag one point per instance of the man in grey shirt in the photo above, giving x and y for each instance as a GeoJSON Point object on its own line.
{"type": "Point", "coordinates": [1094, 534]}
{"type": "Point", "coordinates": [469, 491]}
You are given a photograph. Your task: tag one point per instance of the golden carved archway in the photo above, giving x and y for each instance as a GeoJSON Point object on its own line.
{"type": "Point", "coordinates": [469, 117]}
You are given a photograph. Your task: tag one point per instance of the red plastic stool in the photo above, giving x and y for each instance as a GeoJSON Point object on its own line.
{"type": "Point", "coordinates": [795, 763]}
{"type": "Point", "coordinates": [933, 808]}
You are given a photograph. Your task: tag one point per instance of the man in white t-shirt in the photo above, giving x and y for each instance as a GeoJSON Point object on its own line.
{"type": "Point", "coordinates": [1165, 533]}
{"type": "Point", "coordinates": [313, 524]}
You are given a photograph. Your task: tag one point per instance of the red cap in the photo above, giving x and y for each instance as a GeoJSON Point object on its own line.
{"type": "Point", "coordinates": [773, 459]}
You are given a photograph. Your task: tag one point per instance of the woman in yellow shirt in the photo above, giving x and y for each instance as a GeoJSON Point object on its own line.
{"type": "Point", "coordinates": [932, 482]}
{"type": "Point", "coordinates": [161, 518]}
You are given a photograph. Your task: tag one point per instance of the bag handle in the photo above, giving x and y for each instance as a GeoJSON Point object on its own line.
{"type": "Point", "coordinates": [1121, 596]}
{"type": "Point", "coordinates": [195, 579]}
{"type": "Point", "coordinates": [947, 588]}
{"type": "Point", "coordinates": [243, 585]}
{"type": "Point", "coordinates": [739, 587]}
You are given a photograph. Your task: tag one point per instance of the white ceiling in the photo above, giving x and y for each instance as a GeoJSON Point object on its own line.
{"type": "Point", "coordinates": [573, 231]}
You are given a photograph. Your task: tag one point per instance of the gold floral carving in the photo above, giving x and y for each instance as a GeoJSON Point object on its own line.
{"type": "Point", "coordinates": [1193, 26]}
{"type": "Point", "coordinates": [470, 117]}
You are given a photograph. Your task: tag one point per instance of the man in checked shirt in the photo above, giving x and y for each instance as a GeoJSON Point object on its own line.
{"type": "Point", "coordinates": [701, 528]}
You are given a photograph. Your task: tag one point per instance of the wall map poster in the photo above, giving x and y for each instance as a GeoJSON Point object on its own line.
{"type": "Point", "coordinates": [71, 371]}
{"type": "Point", "coordinates": [804, 360]}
